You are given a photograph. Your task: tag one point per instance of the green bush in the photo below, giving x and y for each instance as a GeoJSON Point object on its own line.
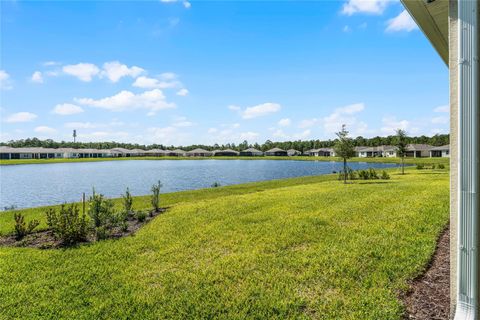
{"type": "Point", "coordinates": [68, 225]}
{"type": "Point", "coordinates": [127, 202]}
{"type": "Point", "coordinates": [215, 185]}
{"type": "Point", "coordinates": [101, 211]}
{"type": "Point", "coordinates": [22, 228]}
{"type": "Point", "coordinates": [372, 174]}
{"type": "Point", "coordinates": [420, 166]}
{"type": "Point", "coordinates": [385, 175]}
{"type": "Point", "coordinates": [141, 216]}
{"type": "Point", "coordinates": [433, 166]}
{"type": "Point", "coordinates": [441, 166]}
{"type": "Point", "coordinates": [363, 174]}
{"type": "Point", "coordinates": [155, 199]}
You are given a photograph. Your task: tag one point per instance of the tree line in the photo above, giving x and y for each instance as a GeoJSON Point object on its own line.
{"type": "Point", "coordinates": [436, 140]}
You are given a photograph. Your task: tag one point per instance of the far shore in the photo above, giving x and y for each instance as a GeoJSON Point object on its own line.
{"type": "Point", "coordinates": [426, 160]}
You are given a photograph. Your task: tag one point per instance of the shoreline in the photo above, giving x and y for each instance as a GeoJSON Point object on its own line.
{"type": "Point", "coordinates": [425, 160]}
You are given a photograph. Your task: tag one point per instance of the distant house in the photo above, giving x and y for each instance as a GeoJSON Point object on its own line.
{"type": "Point", "coordinates": [121, 152]}
{"type": "Point", "coordinates": [175, 153]}
{"type": "Point", "coordinates": [443, 151]}
{"type": "Point", "coordinates": [155, 153]}
{"type": "Point", "coordinates": [251, 152]}
{"type": "Point", "coordinates": [276, 152]}
{"type": "Point", "coordinates": [321, 152]}
{"type": "Point", "coordinates": [418, 150]}
{"type": "Point", "coordinates": [138, 152]}
{"type": "Point", "coordinates": [293, 152]}
{"type": "Point", "coordinates": [198, 153]}
{"type": "Point", "coordinates": [225, 153]}
{"type": "Point", "coordinates": [380, 151]}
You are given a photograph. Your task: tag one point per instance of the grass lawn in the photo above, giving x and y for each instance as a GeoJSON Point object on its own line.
{"type": "Point", "coordinates": [297, 248]}
{"type": "Point", "coordinates": [444, 161]}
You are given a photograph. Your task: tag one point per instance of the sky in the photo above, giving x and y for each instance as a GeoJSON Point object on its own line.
{"type": "Point", "coordinates": [175, 72]}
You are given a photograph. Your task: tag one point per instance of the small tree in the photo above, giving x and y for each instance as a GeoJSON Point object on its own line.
{"type": "Point", "coordinates": [155, 200]}
{"type": "Point", "coordinates": [344, 149]}
{"type": "Point", "coordinates": [68, 224]}
{"type": "Point", "coordinates": [21, 227]}
{"type": "Point", "coordinates": [401, 144]}
{"type": "Point", "coordinates": [127, 201]}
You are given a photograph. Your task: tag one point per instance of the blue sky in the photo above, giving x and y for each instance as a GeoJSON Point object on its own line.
{"type": "Point", "coordinates": [177, 72]}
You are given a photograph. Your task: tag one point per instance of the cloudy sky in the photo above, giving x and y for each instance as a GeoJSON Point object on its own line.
{"type": "Point", "coordinates": [178, 72]}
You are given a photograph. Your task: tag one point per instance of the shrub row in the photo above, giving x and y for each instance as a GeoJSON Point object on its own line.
{"type": "Point", "coordinates": [370, 174]}
{"type": "Point", "coordinates": [71, 226]}
{"type": "Point", "coordinates": [430, 166]}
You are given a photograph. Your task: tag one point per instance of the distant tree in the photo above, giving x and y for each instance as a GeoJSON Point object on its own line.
{"type": "Point", "coordinates": [344, 149]}
{"type": "Point", "coordinates": [401, 144]}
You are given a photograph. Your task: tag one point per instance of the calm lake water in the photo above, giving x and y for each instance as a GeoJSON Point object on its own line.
{"type": "Point", "coordinates": [44, 184]}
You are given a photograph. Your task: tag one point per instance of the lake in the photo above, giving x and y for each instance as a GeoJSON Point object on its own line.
{"type": "Point", "coordinates": [35, 185]}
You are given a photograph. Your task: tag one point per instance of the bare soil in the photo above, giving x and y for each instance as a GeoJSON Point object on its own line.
{"type": "Point", "coordinates": [429, 294]}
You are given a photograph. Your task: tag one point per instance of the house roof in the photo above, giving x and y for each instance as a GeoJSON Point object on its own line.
{"type": "Point", "coordinates": [198, 150]}
{"type": "Point", "coordinates": [175, 151]}
{"type": "Point", "coordinates": [418, 147]}
{"type": "Point", "coordinates": [432, 18]}
{"type": "Point", "coordinates": [252, 150]}
{"type": "Point", "coordinates": [445, 147]}
{"type": "Point", "coordinates": [155, 151]}
{"type": "Point", "coordinates": [276, 150]}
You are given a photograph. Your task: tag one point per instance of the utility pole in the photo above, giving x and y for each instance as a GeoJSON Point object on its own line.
{"type": "Point", "coordinates": [74, 135]}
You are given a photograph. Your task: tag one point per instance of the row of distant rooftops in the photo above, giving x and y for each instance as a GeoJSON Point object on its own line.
{"type": "Point", "coordinates": [119, 152]}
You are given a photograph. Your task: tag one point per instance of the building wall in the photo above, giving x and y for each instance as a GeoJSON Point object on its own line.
{"type": "Point", "coordinates": [453, 68]}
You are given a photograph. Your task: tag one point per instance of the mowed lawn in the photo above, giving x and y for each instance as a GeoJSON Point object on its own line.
{"type": "Point", "coordinates": [297, 248]}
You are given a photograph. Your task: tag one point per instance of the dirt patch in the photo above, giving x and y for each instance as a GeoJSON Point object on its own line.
{"type": "Point", "coordinates": [429, 294]}
{"type": "Point", "coordinates": [46, 239]}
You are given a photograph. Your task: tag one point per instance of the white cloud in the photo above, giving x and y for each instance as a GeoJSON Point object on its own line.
{"type": "Point", "coordinates": [93, 125]}
{"type": "Point", "coordinates": [391, 124]}
{"type": "Point", "coordinates": [5, 81]}
{"type": "Point", "coordinates": [164, 81]}
{"type": "Point", "coordinates": [21, 117]}
{"type": "Point", "coordinates": [284, 122]}
{"type": "Point", "coordinates": [256, 111]}
{"type": "Point", "coordinates": [182, 92]}
{"type": "Point", "coordinates": [37, 77]}
{"type": "Point", "coordinates": [402, 22]}
{"type": "Point", "coordinates": [83, 71]}
{"type": "Point", "coordinates": [346, 115]}
{"type": "Point", "coordinates": [347, 28]}
{"type": "Point", "coordinates": [445, 108]}
{"type": "Point", "coordinates": [114, 71]}
{"type": "Point", "coordinates": [153, 101]}
{"type": "Point", "coordinates": [307, 123]}
{"type": "Point", "coordinates": [212, 130]}
{"type": "Point", "coordinates": [51, 63]}
{"type": "Point", "coordinates": [103, 136]}
{"type": "Point", "coordinates": [365, 6]}
{"type": "Point", "coordinates": [167, 135]}
{"type": "Point", "coordinates": [66, 109]}
{"type": "Point", "coordinates": [234, 108]}
{"type": "Point", "coordinates": [45, 130]}
{"type": "Point", "coordinates": [440, 120]}
{"type": "Point", "coordinates": [249, 135]}
{"type": "Point", "coordinates": [187, 4]}
{"type": "Point", "coordinates": [182, 122]}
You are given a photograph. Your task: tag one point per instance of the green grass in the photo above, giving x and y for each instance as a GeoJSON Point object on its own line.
{"type": "Point", "coordinates": [297, 248]}
{"type": "Point", "coordinates": [300, 158]}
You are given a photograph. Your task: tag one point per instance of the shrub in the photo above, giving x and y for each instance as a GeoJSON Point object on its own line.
{"type": "Point", "coordinates": [385, 175]}
{"type": "Point", "coordinates": [101, 211]}
{"type": "Point", "coordinates": [155, 199]}
{"type": "Point", "coordinates": [420, 166]}
{"type": "Point", "coordinates": [68, 225]}
{"type": "Point", "coordinates": [433, 166]}
{"type": "Point", "coordinates": [127, 201]}
{"type": "Point", "coordinates": [215, 185]}
{"type": "Point", "coordinates": [363, 174]}
{"type": "Point", "coordinates": [21, 227]}
{"type": "Point", "coordinates": [372, 174]}
{"type": "Point", "coordinates": [141, 216]}
{"type": "Point", "coordinates": [441, 166]}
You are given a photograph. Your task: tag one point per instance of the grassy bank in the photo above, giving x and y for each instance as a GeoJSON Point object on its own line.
{"type": "Point", "coordinates": [300, 158]}
{"type": "Point", "coordinates": [297, 248]}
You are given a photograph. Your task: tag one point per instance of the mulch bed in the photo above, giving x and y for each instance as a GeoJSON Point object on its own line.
{"type": "Point", "coordinates": [429, 294]}
{"type": "Point", "coordinates": [46, 240]}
